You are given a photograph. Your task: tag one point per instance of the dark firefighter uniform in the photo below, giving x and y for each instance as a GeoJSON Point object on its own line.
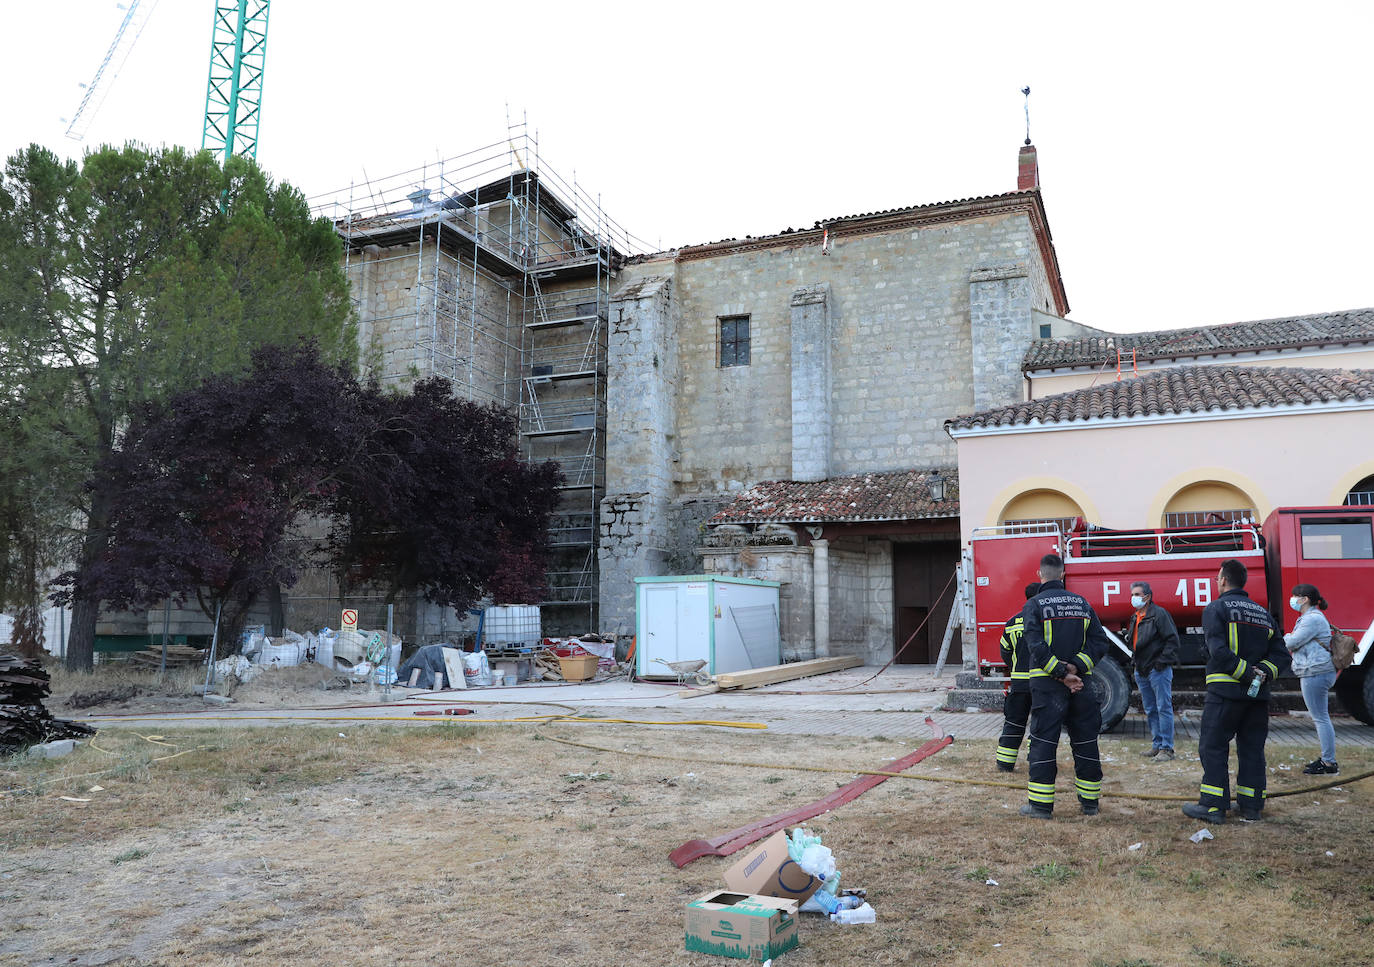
{"type": "Point", "coordinates": [1017, 704]}
{"type": "Point", "coordinates": [1061, 629]}
{"type": "Point", "coordinates": [1241, 636]}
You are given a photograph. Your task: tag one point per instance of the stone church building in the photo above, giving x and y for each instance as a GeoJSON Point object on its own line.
{"type": "Point", "coordinates": [776, 407]}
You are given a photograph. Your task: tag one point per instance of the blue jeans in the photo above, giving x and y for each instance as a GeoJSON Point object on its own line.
{"type": "Point", "coordinates": [1157, 697]}
{"type": "Point", "coordinates": [1314, 693]}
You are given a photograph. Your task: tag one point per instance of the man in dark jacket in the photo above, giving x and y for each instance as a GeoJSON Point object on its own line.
{"type": "Point", "coordinates": [1154, 641]}
{"type": "Point", "coordinates": [1016, 706]}
{"type": "Point", "coordinates": [1245, 652]}
{"type": "Point", "coordinates": [1066, 641]}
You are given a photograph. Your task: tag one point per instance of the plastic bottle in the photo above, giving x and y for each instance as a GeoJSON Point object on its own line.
{"type": "Point", "coordinates": [861, 914]}
{"type": "Point", "coordinates": [1254, 689]}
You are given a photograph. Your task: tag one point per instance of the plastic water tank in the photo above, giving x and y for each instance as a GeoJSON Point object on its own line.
{"type": "Point", "coordinates": [512, 624]}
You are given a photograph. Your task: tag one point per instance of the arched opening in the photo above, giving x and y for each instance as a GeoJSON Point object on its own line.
{"type": "Point", "coordinates": [1208, 502]}
{"type": "Point", "coordinates": [1362, 494]}
{"type": "Point", "coordinates": [1040, 507]}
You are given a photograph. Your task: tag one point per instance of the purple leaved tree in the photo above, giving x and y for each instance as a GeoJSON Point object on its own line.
{"type": "Point", "coordinates": [209, 489]}
{"type": "Point", "coordinates": [439, 502]}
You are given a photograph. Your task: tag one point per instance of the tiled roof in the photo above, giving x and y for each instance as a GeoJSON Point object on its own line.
{"type": "Point", "coordinates": [1180, 390]}
{"type": "Point", "coordinates": [833, 223]}
{"type": "Point", "coordinates": [1322, 329]}
{"type": "Point", "coordinates": [897, 495]}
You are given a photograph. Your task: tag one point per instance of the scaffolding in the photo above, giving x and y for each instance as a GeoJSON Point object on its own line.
{"type": "Point", "coordinates": [493, 272]}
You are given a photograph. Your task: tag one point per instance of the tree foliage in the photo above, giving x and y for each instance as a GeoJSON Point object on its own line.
{"type": "Point", "coordinates": [231, 488]}
{"type": "Point", "coordinates": [212, 486]}
{"type": "Point", "coordinates": [440, 503]}
{"type": "Point", "coordinates": [128, 276]}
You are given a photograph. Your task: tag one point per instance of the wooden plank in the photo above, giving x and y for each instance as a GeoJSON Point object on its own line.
{"type": "Point", "coordinates": [696, 692]}
{"type": "Point", "coordinates": [785, 673]}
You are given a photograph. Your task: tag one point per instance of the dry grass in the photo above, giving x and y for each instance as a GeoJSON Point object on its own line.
{"type": "Point", "coordinates": [475, 846]}
{"type": "Point", "coordinates": [153, 692]}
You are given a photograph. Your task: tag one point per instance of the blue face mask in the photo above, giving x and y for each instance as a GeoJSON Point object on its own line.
{"type": "Point", "coordinates": [1295, 603]}
{"type": "Point", "coordinates": [1137, 602]}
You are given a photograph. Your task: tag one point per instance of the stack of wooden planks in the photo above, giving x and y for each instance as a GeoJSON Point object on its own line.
{"type": "Point", "coordinates": [756, 677]}
{"type": "Point", "coordinates": [23, 719]}
{"type": "Point", "coordinates": [178, 656]}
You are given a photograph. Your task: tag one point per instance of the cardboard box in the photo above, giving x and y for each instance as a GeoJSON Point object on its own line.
{"type": "Point", "coordinates": [738, 925]}
{"type": "Point", "coordinates": [578, 668]}
{"type": "Point", "coordinates": [767, 870]}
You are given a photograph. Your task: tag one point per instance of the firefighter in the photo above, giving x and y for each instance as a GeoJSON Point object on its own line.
{"type": "Point", "coordinates": [1016, 706]}
{"type": "Point", "coordinates": [1243, 645]}
{"type": "Point", "coordinates": [1065, 641]}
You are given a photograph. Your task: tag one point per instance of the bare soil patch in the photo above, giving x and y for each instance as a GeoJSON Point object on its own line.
{"type": "Point", "coordinates": [495, 846]}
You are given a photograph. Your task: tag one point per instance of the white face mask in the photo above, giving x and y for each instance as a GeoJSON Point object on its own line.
{"type": "Point", "coordinates": [1137, 601]}
{"type": "Point", "coordinates": [1295, 603]}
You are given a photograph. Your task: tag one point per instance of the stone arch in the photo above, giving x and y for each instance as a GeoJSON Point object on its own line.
{"type": "Point", "coordinates": [1202, 493]}
{"type": "Point", "coordinates": [1040, 504]}
{"type": "Point", "coordinates": [1240, 483]}
{"type": "Point", "coordinates": [1358, 479]}
{"type": "Point", "coordinates": [1052, 488]}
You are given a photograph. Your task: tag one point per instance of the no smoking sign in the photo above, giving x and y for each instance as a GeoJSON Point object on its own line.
{"type": "Point", "coordinates": [350, 620]}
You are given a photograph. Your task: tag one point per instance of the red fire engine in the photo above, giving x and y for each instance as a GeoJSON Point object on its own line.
{"type": "Point", "coordinates": [1330, 547]}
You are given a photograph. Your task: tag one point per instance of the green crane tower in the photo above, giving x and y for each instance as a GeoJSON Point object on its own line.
{"type": "Point", "coordinates": [233, 96]}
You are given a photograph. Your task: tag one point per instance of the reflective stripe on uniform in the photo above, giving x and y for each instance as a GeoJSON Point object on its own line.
{"type": "Point", "coordinates": [1041, 792]}
{"type": "Point", "coordinates": [1273, 670]}
{"type": "Point", "coordinates": [1245, 791]}
{"type": "Point", "coordinates": [1088, 789]}
{"type": "Point", "coordinates": [1212, 790]}
{"type": "Point", "coordinates": [1086, 662]}
{"type": "Point", "coordinates": [1005, 754]}
{"type": "Point", "coordinates": [1016, 675]}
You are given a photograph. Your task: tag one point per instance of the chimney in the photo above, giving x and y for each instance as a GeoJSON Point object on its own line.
{"type": "Point", "coordinates": [1027, 170]}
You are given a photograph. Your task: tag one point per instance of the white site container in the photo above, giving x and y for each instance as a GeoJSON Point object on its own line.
{"type": "Point", "coordinates": [730, 623]}
{"type": "Point", "coordinates": [512, 624]}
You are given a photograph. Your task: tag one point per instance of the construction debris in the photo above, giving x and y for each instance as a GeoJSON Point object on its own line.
{"type": "Point", "coordinates": [24, 722]}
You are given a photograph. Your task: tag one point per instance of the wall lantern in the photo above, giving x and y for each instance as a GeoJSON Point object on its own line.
{"type": "Point", "coordinates": [936, 484]}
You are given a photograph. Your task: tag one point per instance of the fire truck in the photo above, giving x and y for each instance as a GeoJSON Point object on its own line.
{"type": "Point", "coordinates": [1330, 547]}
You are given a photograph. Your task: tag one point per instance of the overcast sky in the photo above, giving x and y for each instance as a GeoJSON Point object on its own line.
{"type": "Point", "coordinates": [1201, 162]}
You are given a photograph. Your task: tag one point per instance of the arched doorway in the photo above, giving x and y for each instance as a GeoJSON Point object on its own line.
{"type": "Point", "coordinates": [1362, 494]}
{"type": "Point", "coordinates": [1208, 502]}
{"type": "Point", "coordinates": [1040, 507]}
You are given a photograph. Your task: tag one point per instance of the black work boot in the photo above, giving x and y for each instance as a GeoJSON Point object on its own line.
{"type": "Point", "coordinates": [1005, 767]}
{"type": "Point", "coordinates": [1208, 814]}
{"type": "Point", "coordinates": [1036, 812]}
{"type": "Point", "coordinates": [1089, 806]}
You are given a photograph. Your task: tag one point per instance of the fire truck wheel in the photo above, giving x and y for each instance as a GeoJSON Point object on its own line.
{"type": "Point", "coordinates": [1355, 689]}
{"type": "Point", "coordinates": [1113, 692]}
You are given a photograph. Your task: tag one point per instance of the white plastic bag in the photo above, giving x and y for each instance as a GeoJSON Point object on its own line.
{"type": "Point", "coordinates": [476, 669]}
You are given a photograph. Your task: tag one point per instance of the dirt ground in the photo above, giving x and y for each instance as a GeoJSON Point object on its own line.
{"type": "Point", "coordinates": [496, 845]}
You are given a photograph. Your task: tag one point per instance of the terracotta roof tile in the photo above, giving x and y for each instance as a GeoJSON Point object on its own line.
{"type": "Point", "coordinates": [1183, 389]}
{"type": "Point", "coordinates": [1322, 329]}
{"type": "Point", "coordinates": [896, 495]}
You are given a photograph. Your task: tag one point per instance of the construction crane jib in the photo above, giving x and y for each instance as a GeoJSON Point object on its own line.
{"type": "Point", "coordinates": [233, 97]}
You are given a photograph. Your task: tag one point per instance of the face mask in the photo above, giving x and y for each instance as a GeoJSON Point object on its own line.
{"type": "Point", "coordinates": [1137, 602]}
{"type": "Point", "coordinates": [1295, 603]}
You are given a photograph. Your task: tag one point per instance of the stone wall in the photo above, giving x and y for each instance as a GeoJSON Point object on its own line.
{"type": "Point", "coordinates": [849, 615]}
{"type": "Point", "coordinates": [423, 313]}
{"type": "Point", "coordinates": [637, 529]}
{"type": "Point", "coordinates": [901, 355]}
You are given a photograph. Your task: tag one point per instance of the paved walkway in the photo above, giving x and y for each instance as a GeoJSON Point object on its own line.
{"type": "Point", "coordinates": [851, 703]}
